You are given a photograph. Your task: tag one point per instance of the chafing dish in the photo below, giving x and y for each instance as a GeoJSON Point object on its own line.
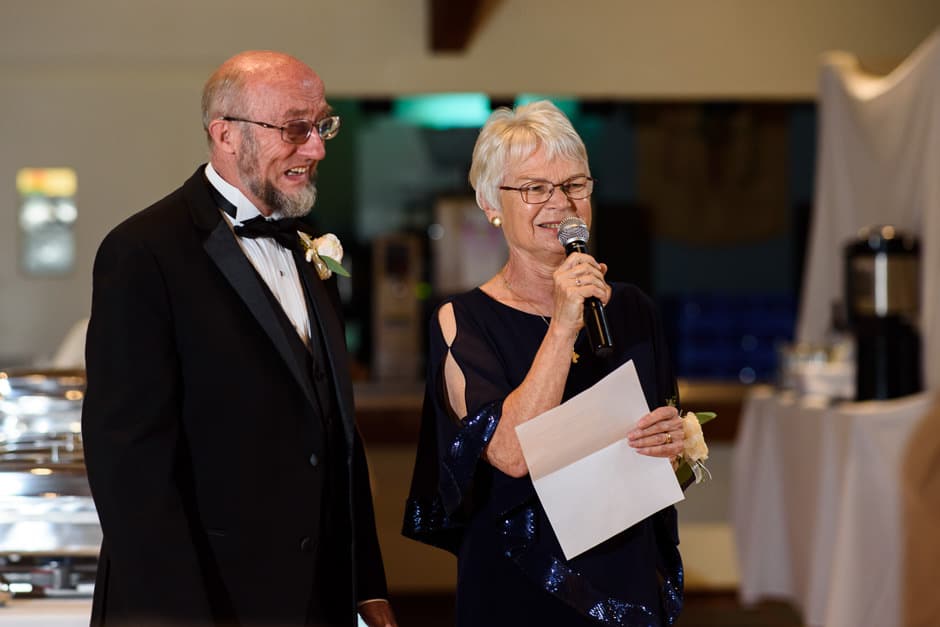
{"type": "Point", "coordinates": [49, 530]}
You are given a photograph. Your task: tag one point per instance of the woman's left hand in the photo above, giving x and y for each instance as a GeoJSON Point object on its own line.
{"type": "Point", "coordinates": [658, 433]}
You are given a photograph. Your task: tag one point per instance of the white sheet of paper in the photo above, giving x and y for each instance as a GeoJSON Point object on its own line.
{"type": "Point", "coordinates": [591, 482]}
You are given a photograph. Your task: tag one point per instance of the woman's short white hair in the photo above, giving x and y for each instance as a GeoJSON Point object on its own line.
{"type": "Point", "coordinates": [510, 136]}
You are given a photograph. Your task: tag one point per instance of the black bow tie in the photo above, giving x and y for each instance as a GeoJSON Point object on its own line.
{"type": "Point", "coordinates": [283, 230]}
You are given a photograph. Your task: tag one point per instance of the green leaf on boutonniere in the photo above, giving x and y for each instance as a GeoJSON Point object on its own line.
{"type": "Point", "coordinates": [705, 416]}
{"type": "Point", "coordinates": [335, 266]}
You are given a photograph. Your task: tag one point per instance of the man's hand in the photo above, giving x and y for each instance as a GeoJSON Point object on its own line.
{"type": "Point", "coordinates": [378, 614]}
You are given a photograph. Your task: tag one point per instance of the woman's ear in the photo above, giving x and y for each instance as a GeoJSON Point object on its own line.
{"type": "Point", "coordinates": [493, 215]}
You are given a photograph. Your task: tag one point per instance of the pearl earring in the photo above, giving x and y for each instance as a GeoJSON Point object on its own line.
{"type": "Point", "coordinates": [496, 221]}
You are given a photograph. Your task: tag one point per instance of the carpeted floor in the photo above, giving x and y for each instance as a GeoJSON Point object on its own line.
{"type": "Point", "coordinates": [701, 610]}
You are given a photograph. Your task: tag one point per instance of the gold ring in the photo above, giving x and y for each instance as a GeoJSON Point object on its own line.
{"type": "Point", "coordinates": [668, 438]}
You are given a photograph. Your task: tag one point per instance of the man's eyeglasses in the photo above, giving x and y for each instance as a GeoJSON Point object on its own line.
{"type": "Point", "coordinates": [539, 192]}
{"type": "Point", "coordinates": [298, 131]}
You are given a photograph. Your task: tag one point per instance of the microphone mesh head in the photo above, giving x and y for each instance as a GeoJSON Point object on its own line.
{"type": "Point", "coordinates": [572, 229]}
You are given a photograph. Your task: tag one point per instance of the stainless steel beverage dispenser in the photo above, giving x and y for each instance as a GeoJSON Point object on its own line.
{"type": "Point", "coordinates": [882, 270]}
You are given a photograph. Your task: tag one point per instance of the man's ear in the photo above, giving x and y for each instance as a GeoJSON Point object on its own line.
{"type": "Point", "coordinates": [222, 135]}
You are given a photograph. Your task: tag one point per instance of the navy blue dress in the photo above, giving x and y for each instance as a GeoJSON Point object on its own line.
{"type": "Point", "coordinates": [510, 568]}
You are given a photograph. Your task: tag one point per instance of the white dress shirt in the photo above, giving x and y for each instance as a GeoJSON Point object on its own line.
{"type": "Point", "coordinates": [273, 262]}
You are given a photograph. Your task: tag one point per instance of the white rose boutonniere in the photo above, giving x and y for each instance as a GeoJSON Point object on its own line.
{"type": "Point", "coordinates": [325, 253]}
{"type": "Point", "coordinates": [692, 459]}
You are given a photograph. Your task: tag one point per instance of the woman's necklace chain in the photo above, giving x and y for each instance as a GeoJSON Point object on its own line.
{"type": "Point", "coordinates": [574, 354]}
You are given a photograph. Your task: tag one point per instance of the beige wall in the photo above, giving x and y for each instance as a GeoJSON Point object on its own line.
{"type": "Point", "coordinates": [111, 87]}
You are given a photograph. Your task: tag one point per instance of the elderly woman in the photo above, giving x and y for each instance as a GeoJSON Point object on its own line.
{"type": "Point", "coordinates": [511, 349]}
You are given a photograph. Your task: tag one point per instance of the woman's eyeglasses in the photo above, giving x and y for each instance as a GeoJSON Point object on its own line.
{"type": "Point", "coordinates": [539, 192]}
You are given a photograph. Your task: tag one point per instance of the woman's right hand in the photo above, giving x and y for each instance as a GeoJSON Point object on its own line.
{"type": "Point", "coordinates": [579, 277]}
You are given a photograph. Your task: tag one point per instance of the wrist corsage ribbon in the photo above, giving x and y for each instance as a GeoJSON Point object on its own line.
{"type": "Point", "coordinates": [692, 459]}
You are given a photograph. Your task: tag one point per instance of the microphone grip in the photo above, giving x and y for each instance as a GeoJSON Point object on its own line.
{"type": "Point", "coordinates": [598, 332]}
{"type": "Point", "coordinates": [595, 319]}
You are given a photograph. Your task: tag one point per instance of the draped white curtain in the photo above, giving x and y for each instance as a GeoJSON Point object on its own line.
{"type": "Point", "coordinates": [878, 163]}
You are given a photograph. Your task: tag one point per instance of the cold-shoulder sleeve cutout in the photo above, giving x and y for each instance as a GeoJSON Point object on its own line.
{"type": "Point", "coordinates": [455, 383]}
{"type": "Point", "coordinates": [448, 323]}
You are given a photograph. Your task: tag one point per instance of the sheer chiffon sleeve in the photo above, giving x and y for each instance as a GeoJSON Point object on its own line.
{"type": "Point", "coordinates": [451, 446]}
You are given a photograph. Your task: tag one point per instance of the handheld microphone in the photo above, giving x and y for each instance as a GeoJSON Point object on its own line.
{"type": "Point", "coordinates": [573, 235]}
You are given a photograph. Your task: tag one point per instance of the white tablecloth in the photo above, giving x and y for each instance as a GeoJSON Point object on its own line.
{"type": "Point", "coordinates": [51, 613]}
{"type": "Point", "coordinates": [46, 613]}
{"type": "Point", "coordinates": [816, 505]}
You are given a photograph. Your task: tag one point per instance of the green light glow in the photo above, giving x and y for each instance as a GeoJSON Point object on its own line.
{"type": "Point", "coordinates": [442, 111]}
{"type": "Point", "coordinates": [568, 106]}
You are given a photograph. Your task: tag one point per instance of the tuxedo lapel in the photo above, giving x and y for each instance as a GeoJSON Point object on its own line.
{"type": "Point", "coordinates": [237, 269]}
{"type": "Point", "coordinates": [325, 316]}
{"type": "Point", "coordinates": [222, 247]}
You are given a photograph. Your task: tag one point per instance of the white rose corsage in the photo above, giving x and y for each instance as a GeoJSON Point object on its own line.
{"type": "Point", "coordinates": [325, 253]}
{"type": "Point", "coordinates": [692, 459]}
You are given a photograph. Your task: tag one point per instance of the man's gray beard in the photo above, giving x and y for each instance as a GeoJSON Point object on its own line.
{"type": "Point", "coordinates": [296, 206]}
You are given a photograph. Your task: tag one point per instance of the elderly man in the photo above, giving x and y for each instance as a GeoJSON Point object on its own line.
{"type": "Point", "coordinates": [229, 478]}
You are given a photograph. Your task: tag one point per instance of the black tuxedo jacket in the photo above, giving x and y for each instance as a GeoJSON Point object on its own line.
{"type": "Point", "coordinates": [211, 463]}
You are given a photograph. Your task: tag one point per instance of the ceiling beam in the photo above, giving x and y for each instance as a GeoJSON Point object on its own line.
{"type": "Point", "coordinates": [453, 22]}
